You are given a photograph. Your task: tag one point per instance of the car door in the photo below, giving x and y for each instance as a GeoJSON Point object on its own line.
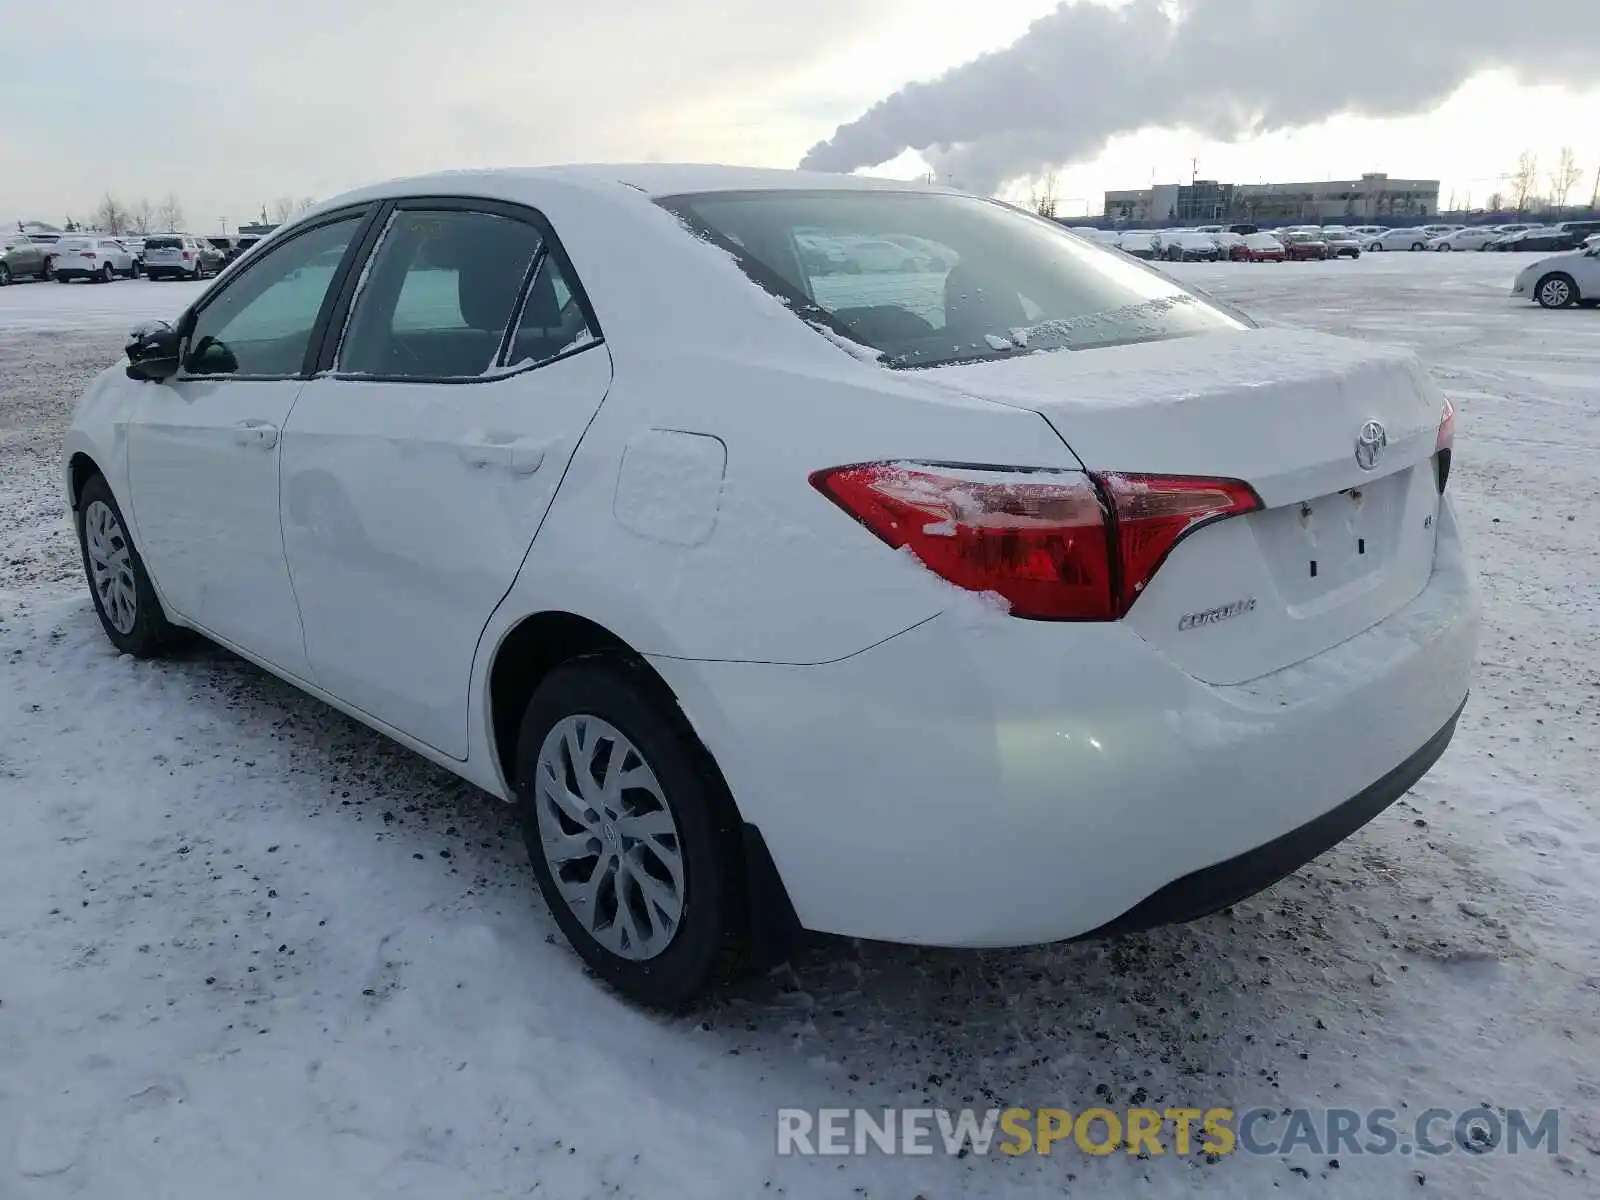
{"type": "Point", "coordinates": [417, 470]}
{"type": "Point", "coordinates": [203, 447]}
{"type": "Point", "coordinates": [1586, 273]}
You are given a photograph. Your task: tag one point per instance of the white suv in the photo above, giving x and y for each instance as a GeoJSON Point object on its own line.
{"type": "Point", "coordinates": [93, 257]}
{"type": "Point", "coordinates": [176, 256]}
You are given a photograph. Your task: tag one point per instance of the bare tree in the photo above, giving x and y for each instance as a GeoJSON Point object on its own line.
{"type": "Point", "coordinates": [169, 215]}
{"type": "Point", "coordinates": [306, 204]}
{"type": "Point", "coordinates": [111, 216]}
{"type": "Point", "coordinates": [1564, 178]}
{"type": "Point", "coordinates": [142, 217]}
{"type": "Point", "coordinates": [282, 209]}
{"type": "Point", "coordinates": [1524, 180]}
{"type": "Point", "coordinates": [1043, 196]}
{"type": "Point", "coordinates": [1494, 201]}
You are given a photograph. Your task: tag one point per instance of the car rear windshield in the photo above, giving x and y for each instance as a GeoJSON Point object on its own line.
{"type": "Point", "coordinates": [163, 243]}
{"type": "Point", "coordinates": [75, 243]}
{"type": "Point", "coordinates": [928, 278]}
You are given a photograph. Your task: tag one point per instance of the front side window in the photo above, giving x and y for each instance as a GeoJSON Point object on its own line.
{"type": "Point", "coordinates": [928, 279]}
{"type": "Point", "coordinates": [261, 323]}
{"type": "Point", "coordinates": [441, 290]}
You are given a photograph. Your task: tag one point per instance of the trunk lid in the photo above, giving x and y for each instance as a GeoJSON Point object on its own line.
{"type": "Point", "coordinates": [1336, 548]}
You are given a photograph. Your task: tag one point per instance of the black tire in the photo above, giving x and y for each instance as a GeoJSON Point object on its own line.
{"type": "Point", "coordinates": [48, 271]}
{"type": "Point", "coordinates": [710, 943]}
{"type": "Point", "coordinates": [5, 275]}
{"type": "Point", "coordinates": [1556, 290]}
{"type": "Point", "coordinates": [150, 634]}
{"type": "Point", "coordinates": [60, 278]}
{"type": "Point", "coordinates": [1376, 246]}
{"type": "Point", "coordinates": [1418, 246]}
{"type": "Point", "coordinates": [106, 274]}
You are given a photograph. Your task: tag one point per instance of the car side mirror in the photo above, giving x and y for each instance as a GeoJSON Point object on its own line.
{"type": "Point", "coordinates": [153, 352]}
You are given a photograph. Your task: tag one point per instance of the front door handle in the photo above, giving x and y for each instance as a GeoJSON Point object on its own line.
{"type": "Point", "coordinates": [256, 433]}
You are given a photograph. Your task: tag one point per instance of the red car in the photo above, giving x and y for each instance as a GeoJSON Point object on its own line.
{"type": "Point", "coordinates": [1300, 246]}
{"type": "Point", "coordinates": [1257, 247]}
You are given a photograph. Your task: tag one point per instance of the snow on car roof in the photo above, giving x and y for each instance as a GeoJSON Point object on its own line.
{"type": "Point", "coordinates": [652, 179]}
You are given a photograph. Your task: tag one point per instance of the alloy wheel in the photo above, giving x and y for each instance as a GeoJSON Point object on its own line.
{"type": "Point", "coordinates": [1555, 293]}
{"type": "Point", "coordinates": [609, 837]}
{"type": "Point", "coordinates": [111, 566]}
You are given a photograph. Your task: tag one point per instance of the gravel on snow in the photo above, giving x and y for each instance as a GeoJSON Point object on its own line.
{"type": "Point", "coordinates": [249, 948]}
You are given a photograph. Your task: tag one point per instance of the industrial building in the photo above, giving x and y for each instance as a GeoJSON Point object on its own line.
{"type": "Point", "coordinates": [1372, 197]}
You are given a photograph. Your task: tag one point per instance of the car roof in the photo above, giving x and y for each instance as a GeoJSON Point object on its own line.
{"type": "Point", "coordinates": [652, 179]}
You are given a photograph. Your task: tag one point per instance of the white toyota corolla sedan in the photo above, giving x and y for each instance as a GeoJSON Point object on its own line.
{"type": "Point", "coordinates": [1020, 596]}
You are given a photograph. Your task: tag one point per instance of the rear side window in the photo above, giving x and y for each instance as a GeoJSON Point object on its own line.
{"type": "Point", "coordinates": [440, 292]}
{"type": "Point", "coordinates": [927, 278]}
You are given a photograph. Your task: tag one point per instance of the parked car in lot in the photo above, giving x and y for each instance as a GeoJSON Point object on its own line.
{"type": "Point", "coordinates": [1563, 280]}
{"type": "Point", "coordinates": [180, 256]}
{"type": "Point", "coordinates": [1138, 243]}
{"type": "Point", "coordinates": [135, 245]}
{"type": "Point", "coordinates": [1190, 247]}
{"type": "Point", "coordinates": [1546, 239]}
{"type": "Point", "coordinates": [1402, 239]}
{"type": "Point", "coordinates": [1258, 247]}
{"type": "Point", "coordinates": [1343, 243]}
{"type": "Point", "coordinates": [1478, 237]}
{"type": "Point", "coordinates": [92, 257]}
{"type": "Point", "coordinates": [1300, 246]}
{"type": "Point", "coordinates": [26, 258]}
{"type": "Point", "coordinates": [436, 479]}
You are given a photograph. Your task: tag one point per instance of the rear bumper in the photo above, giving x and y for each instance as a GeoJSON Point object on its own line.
{"type": "Point", "coordinates": [985, 781]}
{"type": "Point", "coordinates": [1211, 888]}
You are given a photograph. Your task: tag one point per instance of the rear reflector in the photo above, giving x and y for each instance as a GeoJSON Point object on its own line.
{"type": "Point", "coordinates": [1444, 443]}
{"type": "Point", "coordinates": [1056, 545]}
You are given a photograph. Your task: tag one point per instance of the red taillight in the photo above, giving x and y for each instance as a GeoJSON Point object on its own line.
{"type": "Point", "coordinates": [186, 256]}
{"type": "Point", "coordinates": [86, 254]}
{"type": "Point", "coordinates": [1056, 545]}
{"type": "Point", "coordinates": [1444, 443]}
{"type": "Point", "coordinates": [1155, 512]}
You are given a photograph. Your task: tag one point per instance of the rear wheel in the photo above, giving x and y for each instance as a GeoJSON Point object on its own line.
{"type": "Point", "coordinates": [1418, 246]}
{"type": "Point", "coordinates": [107, 273]}
{"type": "Point", "coordinates": [5, 274]}
{"type": "Point", "coordinates": [632, 835]}
{"type": "Point", "coordinates": [1376, 246]}
{"type": "Point", "coordinates": [124, 598]}
{"type": "Point", "coordinates": [1556, 290]}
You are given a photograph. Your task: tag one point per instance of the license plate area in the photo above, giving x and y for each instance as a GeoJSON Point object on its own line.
{"type": "Point", "coordinates": [1325, 545]}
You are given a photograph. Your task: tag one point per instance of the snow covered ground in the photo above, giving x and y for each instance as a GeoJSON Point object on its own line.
{"type": "Point", "coordinates": [250, 949]}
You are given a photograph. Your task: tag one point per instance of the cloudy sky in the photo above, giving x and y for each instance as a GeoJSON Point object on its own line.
{"type": "Point", "coordinates": [229, 105]}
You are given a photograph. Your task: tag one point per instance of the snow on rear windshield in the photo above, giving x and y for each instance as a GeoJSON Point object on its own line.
{"type": "Point", "coordinates": [928, 278]}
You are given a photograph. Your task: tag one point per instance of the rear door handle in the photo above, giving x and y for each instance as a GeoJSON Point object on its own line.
{"type": "Point", "coordinates": [518, 456]}
{"type": "Point", "coordinates": [256, 433]}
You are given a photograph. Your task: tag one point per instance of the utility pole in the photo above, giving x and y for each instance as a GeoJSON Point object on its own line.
{"type": "Point", "coordinates": [1194, 171]}
{"type": "Point", "coordinates": [1594, 197]}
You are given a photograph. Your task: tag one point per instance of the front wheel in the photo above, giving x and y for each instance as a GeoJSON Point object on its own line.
{"type": "Point", "coordinates": [48, 271]}
{"type": "Point", "coordinates": [1418, 246]}
{"type": "Point", "coordinates": [1376, 246]}
{"type": "Point", "coordinates": [633, 837]}
{"type": "Point", "coordinates": [1556, 290]}
{"type": "Point", "coordinates": [124, 598]}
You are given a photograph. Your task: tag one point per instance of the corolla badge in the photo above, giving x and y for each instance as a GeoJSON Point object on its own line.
{"type": "Point", "coordinates": [1370, 443]}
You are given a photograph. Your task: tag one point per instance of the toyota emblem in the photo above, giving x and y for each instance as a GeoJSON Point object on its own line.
{"type": "Point", "coordinates": [1369, 444]}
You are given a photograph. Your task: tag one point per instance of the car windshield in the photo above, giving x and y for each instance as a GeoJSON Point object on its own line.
{"type": "Point", "coordinates": [994, 283]}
